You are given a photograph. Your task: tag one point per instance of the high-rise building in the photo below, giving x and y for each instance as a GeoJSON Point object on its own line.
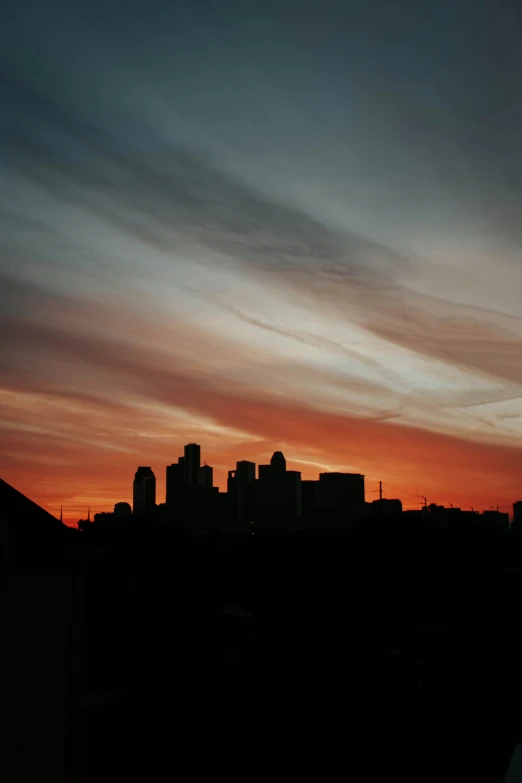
{"type": "Point", "coordinates": [245, 471]}
{"type": "Point", "coordinates": [265, 472]}
{"type": "Point", "coordinates": [278, 499]}
{"type": "Point", "coordinates": [174, 482]}
{"type": "Point", "coordinates": [517, 517]}
{"type": "Point", "coordinates": [278, 463]}
{"type": "Point", "coordinates": [144, 491]}
{"type": "Point", "coordinates": [192, 463]}
{"type": "Point", "coordinates": [205, 476]}
{"type": "Point", "coordinates": [276, 468]}
{"type": "Point", "coordinates": [245, 475]}
{"type": "Point", "coordinates": [293, 499]}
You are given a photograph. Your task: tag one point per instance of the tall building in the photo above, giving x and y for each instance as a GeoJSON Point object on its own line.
{"type": "Point", "coordinates": [517, 511]}
{"type": "Point", "coordinates": [205, 476]}
{"type": "Point", "coordinates": [245, 471]}
{"type": "Point", "coordinates": [265, 472]}
{"type": "Point", "coordinates": [174, 482]}
{"type": "Point", "coordinates": [278, 463]}
{"type": "Point", "coordinates": [293, 501]}
{"type": "Point", "coordinates": [276, 468]}
{"type": "Point", "coordinates": [192, 463]}
{"type": "Point", "coordinates": [144, 491]}
{"type": "Point", "coordinates": [240, 489]}
{"type": "Point", "coordinates": [278, 499]}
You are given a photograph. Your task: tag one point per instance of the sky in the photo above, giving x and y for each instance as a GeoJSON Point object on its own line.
{"type": "Point", "coordinates": [261, 225]}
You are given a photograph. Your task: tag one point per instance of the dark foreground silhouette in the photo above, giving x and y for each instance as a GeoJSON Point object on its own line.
{"type": "Point", "coordinates": [386, 651]}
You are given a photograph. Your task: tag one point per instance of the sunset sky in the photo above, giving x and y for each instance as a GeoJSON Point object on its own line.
{"type": "Point", "coordinates": [261, 225]}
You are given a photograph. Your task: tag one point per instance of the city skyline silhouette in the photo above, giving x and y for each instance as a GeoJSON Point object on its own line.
{"type": "Point", "coordinates": [413, 498]}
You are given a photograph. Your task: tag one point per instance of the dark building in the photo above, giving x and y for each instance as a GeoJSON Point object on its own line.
{"type": "Point", "coordinates": [122, 510]}
{"type": "Point", "coordinates": [387, 506]}
{"type": "Point", "coordinates": [278, 463]}
{"type": "Point", "coordinates": [277, 494]}
{"type": "Point", "coordinates": [144, 491]}
{"type": "Point", "coordinates": [341, 490]}
{"type": "Point", "coordinates": [231, 482]}
{"type": "Point", "coordinates": [309, 491]}
{"type": "Point", "coordinates": [245, 471]}
{"type": "Point", "coordinates": [294, 506]}
{"type": "Point", "coordinates": [192, 463]}
{"type": "Point", "coordinates": [517, 515]}
{"type": "Point", "coordinates": [496, 520]}
{"type": "Point", "coordinates": [174, 482]}
{"type": "Point", "coordinates": [240, 487]}
{"type": "Point", "coordinates": [265, 472]}
{"type": "Point", "coordinates": [205, 476]}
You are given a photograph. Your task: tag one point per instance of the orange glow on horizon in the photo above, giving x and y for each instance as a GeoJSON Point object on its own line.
{"type": "Point", "coordinates": [443, 468]}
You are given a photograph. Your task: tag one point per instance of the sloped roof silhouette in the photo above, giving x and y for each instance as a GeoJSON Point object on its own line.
{"type": "Point", "coordinates": [14, 504]}
{"type": "Point", "coordinates": [25, 525]}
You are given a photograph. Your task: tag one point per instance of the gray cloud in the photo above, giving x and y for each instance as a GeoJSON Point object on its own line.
{"type": "Point", "coordinates": [175, 195]}
{"type": "Point", "coordinates": [165, 195]}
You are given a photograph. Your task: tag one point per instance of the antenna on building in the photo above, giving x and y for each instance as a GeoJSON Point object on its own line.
{"type": "Point", "coordinates": [379, 490]}
{"type": "Point", "coordinates": [61, 514]}
{"type": "Point", "coordinates": [89, 515]}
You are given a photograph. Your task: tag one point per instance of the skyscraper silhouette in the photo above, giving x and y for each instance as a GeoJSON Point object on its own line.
{"type": "Point", "coordinates": [240, 490]}
{"type": "Point", "coordinates": [293, 499]}
{"type": "Point", "coordinates": [278, 462]}
{"type": "Point", "coordinates": [192, 463]}
{"type": "Point", "coordinates": [205, 476]}
{"type": "Point", "coordinates": [144, 491]}
{"type": "Point", "coordinates": [277, 495]}
{"type": "Point", "coordinates": [174, 481]}
{"type": "Point", "coordinates": [517, 517]}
